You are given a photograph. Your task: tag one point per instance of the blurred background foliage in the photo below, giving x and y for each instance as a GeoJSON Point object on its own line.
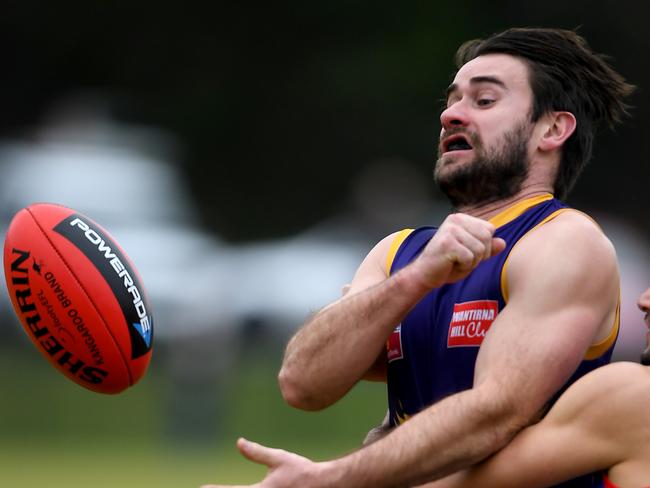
{"type": "Point", "coordinates": [278, 106]}
{"type": "Point", "coordinates": [273, 113]}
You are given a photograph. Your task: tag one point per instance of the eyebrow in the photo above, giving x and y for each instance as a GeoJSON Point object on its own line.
{"type": "Point", "coordinates": [474, 81]}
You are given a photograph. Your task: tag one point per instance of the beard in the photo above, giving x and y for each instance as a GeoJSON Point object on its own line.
{"type": "Point", "coordinates": [492, 175]}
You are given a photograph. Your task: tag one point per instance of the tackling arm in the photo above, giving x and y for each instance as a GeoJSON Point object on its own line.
{"type": "Point", "coordinates": [558, 304]}
{"type": "Point", "coordinates": [597, 423]}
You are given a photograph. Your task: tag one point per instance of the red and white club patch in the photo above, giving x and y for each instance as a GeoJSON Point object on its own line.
{"type": "Point", "coordinates": [394, 345]}
{"type": "Point", "coordinates": [470, 322]}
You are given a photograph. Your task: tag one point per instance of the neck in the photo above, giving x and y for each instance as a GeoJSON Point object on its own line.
{"type": "Point", "coordinates": [488, 210]}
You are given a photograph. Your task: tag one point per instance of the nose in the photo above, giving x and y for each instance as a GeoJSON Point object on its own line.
{"type": "Point", "coordinates": [454, 116]}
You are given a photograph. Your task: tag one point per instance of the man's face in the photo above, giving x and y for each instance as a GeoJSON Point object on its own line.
{"type": "Point", "coordinates": [484, 151]}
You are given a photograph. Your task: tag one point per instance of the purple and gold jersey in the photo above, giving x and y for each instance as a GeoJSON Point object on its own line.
{"type": "Point", "coordinates": [432, 353]}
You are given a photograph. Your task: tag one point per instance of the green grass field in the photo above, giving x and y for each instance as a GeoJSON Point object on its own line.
{"type": "Point", "coordinates": [55, 434]}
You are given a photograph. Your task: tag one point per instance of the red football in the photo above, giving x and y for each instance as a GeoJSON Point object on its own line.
{"type": "Point", "coordinates": [78, 297]}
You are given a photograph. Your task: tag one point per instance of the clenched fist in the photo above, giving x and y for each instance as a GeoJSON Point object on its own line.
{"type": "Point", "coordinates": [459, 245]}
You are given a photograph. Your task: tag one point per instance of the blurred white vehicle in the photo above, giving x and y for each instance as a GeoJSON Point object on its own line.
{"type": "Point", "coordinates": [139, 203]}
{"type": "Point", "coordinates": [196, 282]}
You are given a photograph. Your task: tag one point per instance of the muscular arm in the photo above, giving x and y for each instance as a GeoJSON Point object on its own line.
{"type": "Point", "coordinates": [340, 344]}
{"type": "Point", "coordinates": [559, 304]}
{"type": "Point", "coordinates": [600, 422]}
{"type": "Point", "coordinates": [597, 423]}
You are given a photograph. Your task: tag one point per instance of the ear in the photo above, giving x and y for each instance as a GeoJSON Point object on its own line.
{"type": "Point", "coordinates": [560, 126]}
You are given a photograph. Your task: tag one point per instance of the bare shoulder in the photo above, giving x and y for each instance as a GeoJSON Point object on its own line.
{"type": "Point", "coordinates": [570, 233]}
{"type": "Point", "coordinates": [627, 385]}
{"type": "Point", "coordinates": [612, 395]}
{"type": "Point", "coordinates": [570, 245]}
{"type": "Point", "coordinates": [575, 224]}
{"type": "Point", "coordinates": [610, 405]}
{"type": "Point", "coordinates": [615, 379]}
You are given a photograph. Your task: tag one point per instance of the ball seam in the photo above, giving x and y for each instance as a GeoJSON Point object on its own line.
{"type": "Point", "coordinates": [90, 299]}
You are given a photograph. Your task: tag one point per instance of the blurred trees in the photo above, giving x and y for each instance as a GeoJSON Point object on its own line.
{"type": "Point", "coordinates": [278, 106]}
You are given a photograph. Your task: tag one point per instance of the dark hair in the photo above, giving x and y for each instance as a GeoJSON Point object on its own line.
{"type": "Point", "coordinates": [565, 75]}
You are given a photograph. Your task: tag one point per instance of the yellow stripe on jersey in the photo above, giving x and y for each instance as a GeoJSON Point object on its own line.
{"type": "Point", "coordinates": [504, 281]}
{"type": "Point", "coordinates": [511, 213]}
{"type": "Point", "coordinates": [595, 350]}
{"type": "Point", "coordinates": [394, 247]}
{"type": "Point", "coordinates": [400, 415]}
{"type": "Point", "coordinates": [598, 349]}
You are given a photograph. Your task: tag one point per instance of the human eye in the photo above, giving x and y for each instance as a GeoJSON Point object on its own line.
{"type": "Point", "coordinates": [485, 98]}
{"type": "Point", "coordinates": [485, 101]}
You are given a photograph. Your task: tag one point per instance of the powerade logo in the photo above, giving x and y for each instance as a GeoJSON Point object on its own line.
{"type": "Point", "coordinates": [107, 257]}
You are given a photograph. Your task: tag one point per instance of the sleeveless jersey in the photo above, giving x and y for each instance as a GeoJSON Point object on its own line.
{"type": "Point", "coordinates": [432, 353]}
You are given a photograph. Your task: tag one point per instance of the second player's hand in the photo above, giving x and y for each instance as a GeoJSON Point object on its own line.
{"type": "Point", "coordinates": [459, 245]}
{"type": "Point", "coordinates": [286, 469]}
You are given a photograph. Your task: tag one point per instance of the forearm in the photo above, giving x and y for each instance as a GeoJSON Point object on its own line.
{"type": "Point", "coordinates": [451, 435]}
{"type": "Point", "coordinates": [334, 349]}
{"type": "Point", "coordinates": [339, 344]}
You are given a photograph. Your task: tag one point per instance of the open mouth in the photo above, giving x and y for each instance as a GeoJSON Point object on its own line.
{"type": "Point", "coordinates": [456, 143]}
